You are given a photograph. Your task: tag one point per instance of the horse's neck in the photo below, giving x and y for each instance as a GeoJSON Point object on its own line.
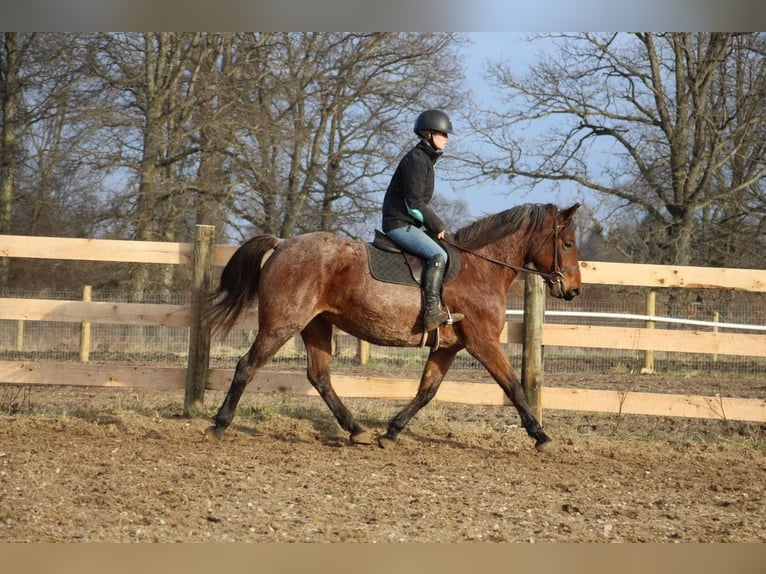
{"type": "Point", "coordinates": [511, 249]}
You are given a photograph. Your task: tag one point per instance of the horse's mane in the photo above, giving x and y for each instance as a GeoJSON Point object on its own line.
{"type": "Point", "coordinates": [493, 227]}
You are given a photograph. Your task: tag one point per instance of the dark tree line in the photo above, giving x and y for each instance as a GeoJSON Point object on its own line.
{"type": "Point", "coordinates": [144, 135]}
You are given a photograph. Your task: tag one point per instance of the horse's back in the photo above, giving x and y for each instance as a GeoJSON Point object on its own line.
{"type": "Point", "coordinates": [320, 259]}
{"type": "Point", "coordinates": [322, 247]}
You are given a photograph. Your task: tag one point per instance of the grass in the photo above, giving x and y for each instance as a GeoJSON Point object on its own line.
{"type": "Point", "coordinates": [15, 399]}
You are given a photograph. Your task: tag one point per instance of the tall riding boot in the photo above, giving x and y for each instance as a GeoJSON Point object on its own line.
{"type": "Point", "coordinates": [433, 275]}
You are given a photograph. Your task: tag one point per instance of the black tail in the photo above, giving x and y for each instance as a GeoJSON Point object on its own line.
{"type": "Point", "coordinates": [239, 282]}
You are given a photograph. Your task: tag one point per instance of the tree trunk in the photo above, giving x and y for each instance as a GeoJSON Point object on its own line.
{"type": "Point", "coordinates": [8, 133]}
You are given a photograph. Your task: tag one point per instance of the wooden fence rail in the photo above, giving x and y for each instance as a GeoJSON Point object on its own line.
{"type": "Point", "coordinates": [195, 378]}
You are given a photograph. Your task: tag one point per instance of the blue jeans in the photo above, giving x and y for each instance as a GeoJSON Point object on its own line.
{"type": "Point", "coordinates": [417, 241]}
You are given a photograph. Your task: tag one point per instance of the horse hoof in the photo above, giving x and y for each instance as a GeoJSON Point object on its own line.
{"type": "Point", "coordinates": [214, 433]}
{"type": "Point", "coordinates": [362, 437]}
{"type": "Point", "coordinates": [547, 447]}
{"type": "Point", "coordinates": [385, 443]}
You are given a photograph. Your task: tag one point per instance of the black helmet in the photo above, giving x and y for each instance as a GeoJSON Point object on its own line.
{"type": "Point", "coordinates": [435, 120]}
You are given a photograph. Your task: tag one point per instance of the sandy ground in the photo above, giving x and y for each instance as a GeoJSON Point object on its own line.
{"type": "Point", "coordinates": [83, 464]}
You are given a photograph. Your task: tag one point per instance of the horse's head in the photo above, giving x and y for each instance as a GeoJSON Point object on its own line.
{"type": "Point", "coordinates": [555, 254]}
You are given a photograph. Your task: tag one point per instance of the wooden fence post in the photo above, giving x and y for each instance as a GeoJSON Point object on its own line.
{"type": "Point", "coordinates": [651, 299]}
{"type": "Point", "coordinates": [20, 335]}
{"type": "Point", "coordinates": [532, 355]}
{"type": "Point", "coordinates": [199, 330]}
{"type": "Point", "coordinates": [362, 352]}
{"type": "Point", "coordinates": [716, 318]}
{"type": "Point", "coordinates": [85, 329]}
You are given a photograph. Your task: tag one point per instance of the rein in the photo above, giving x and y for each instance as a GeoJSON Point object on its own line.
{"type": "Point", "coordinates": [550, 279]}
{"type": "Point", "coordinates": [495, 261]}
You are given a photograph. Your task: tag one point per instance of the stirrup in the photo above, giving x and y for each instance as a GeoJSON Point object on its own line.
{"type": "Point", "coordinates": [443, 321]}
{"type": "Point", "coordinates": [450, 319]}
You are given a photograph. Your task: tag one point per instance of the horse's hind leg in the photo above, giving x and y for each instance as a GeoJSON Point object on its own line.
{"type": "Point", "coordinates": [262, 350]}
{"type": "Point", "coordinates": [318, 339]}
{"type": "Point", "coordinates": [437, 365]}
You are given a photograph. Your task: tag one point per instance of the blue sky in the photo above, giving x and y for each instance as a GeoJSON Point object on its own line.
{"type": "Point", "coordinates": [515, 49]}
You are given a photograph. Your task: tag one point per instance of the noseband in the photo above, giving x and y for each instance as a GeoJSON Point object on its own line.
{"type": "Point", "coordinates": [552, 278]}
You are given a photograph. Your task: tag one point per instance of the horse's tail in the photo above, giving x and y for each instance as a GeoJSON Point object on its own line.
{"type": "Point", "coordinates": [238, 287]}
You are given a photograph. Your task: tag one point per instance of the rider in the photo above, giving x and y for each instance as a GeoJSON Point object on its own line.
{"type": "Point", "coordinates": [409, 220]}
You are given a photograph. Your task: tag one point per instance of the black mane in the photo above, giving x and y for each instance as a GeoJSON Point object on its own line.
{"type": "Point", "coordinates": [494, 227]}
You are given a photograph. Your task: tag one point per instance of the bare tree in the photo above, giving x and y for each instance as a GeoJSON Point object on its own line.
{"type": "Point", "coordinates": [12, 51]}
{"type": "Point", "coordinates": [671, 125]}
{"type": "Point", "coordinates": [48, 186]}
{"type": "Point", "coordinates": [152, 80]}
{"type": "Point", "coordinates": [146, 134]}
{"type": "Point", "coordinates": [214, 123]}
{"type": "Point", "coordinates": [327, 112]}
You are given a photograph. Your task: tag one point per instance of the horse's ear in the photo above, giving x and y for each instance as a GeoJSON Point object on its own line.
{"type": "Point", "coordinates": [567, 215]}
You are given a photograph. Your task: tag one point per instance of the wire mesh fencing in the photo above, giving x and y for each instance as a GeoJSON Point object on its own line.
{"type": "Point", "coordinates": [168, 346]}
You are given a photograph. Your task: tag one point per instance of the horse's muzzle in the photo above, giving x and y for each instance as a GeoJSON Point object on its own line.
{"type": "Point", "coordinates": [557, 290]}
{"type": "Point", "coordinates": [571, 294]}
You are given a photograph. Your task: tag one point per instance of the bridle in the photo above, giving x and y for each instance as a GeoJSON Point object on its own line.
{"type": "Point", "coordinates": [552, 278]}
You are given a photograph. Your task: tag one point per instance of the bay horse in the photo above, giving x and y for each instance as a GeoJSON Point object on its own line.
{"type": "Point", "coordinates": [310, 282]}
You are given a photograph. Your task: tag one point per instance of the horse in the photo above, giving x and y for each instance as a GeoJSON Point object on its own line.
{"type": "Point", "coordinates": [311, 282]}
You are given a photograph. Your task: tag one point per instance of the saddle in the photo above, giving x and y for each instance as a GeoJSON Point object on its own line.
{"type": "Point", "coordinates": [390, 264]}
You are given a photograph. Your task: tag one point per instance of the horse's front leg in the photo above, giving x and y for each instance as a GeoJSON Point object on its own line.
{"type": "Point", "coordinates": [490, 354]}
{"type": "Point", "coordinates": [437, 365]}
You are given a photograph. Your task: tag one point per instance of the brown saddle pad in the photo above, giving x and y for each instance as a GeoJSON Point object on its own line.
{"type": "Point", "coordinates": [390, 264]}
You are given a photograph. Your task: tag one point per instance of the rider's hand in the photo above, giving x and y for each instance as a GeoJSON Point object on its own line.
{"type": "Point", "coordinates": [440, 235]}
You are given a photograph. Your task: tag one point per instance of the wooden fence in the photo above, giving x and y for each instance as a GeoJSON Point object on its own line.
{"type": "Point", "coordinates": [202, 255]}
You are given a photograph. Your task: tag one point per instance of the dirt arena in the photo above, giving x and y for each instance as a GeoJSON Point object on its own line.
{"type": "Point", "coordinates": [88, 465]}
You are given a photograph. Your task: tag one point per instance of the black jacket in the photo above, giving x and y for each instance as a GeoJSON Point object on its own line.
{"type": "Point", "coordinates": [412, 185]}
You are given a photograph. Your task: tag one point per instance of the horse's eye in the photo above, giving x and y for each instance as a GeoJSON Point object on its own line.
{"type": "Point", "coordinates": [568, 245]}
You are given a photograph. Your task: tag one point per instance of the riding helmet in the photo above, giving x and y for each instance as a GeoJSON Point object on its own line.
{"type": "Point", "coordinates": [435, 120]}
